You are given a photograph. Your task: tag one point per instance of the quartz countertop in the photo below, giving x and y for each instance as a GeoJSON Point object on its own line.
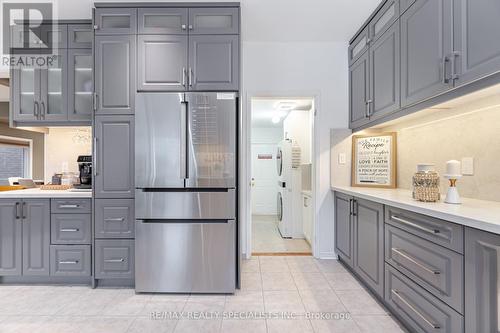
{"type": "Point", "coordinates": [479, 214]}
{"type": "Point", "coordinates": [37, 193]}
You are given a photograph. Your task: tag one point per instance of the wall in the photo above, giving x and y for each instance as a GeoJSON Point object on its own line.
{"type": "Point", "coordinates": [298, 127]}
{"type": "Point", "coordinates": [62, 147]}
{"type": "Point", "coordinates": [262, 135]}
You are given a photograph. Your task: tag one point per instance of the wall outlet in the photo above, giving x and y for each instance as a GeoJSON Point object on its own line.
{"type": "Point", "coordinates": [468, 166]}
{"type": "Point", "coordinates": [342, 158]}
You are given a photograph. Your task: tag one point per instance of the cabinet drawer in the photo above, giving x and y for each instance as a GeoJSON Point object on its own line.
{"type": "Point", "coordinates": [80, 36]}
{"type": "Point", "coordinates": [359, 46]}
{"type": "Point", "coordinates": [162, 21]}
{"type": "Point", "coordinates": [385, 17]}
{"type": "Point", "coordinates": [438, 231]}
{"type": "Point", "coordinates": [114, 218]}
{"type": "Point", "coordinates": [438, 270]}
{"type": "Point", "coordinates": [421, 311]}
{"type": "Point", "coordinates": [70, 260]}
{"type": "Point", "coordinates": [114, 259]}
{"type": "Point", "coordinates": [73, 206]}
{"type": "Point", "coordinates": [70, 228]}
{"type": "Point", "coordinates": [115, 21]}
{"type": "Point", "coordinates": [208, 21]}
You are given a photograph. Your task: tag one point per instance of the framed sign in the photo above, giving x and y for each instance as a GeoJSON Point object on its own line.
{"type": "Point", "coordinates": [374, 160]}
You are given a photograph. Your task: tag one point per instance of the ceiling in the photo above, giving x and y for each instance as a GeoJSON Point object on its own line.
{"type": "Point", "coordinates": [264, 109]}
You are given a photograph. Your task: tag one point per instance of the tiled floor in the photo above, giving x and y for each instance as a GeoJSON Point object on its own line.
{"type": "Point", "coordinates": [267, 239]}
{"type": "Point", "coordinates": [299, 285]}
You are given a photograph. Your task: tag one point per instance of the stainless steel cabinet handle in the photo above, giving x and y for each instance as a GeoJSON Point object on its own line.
{"type": "Point", "coordinates": [95, 166]}
{"type": "Point", "coordinates": [190, 77]}
{"type": "Point", "coordinates": [42, 112]}
{"type": "Point", "coordinates": [190, 27]}
{"type": "Point", "coordinates": [354, 207]}
{"type": "Point", "coordinates": [36, 109]}
{"type": "Point", "coordinates": [184, 146]}
{"type": "Point", "coordinates": [427, 321]}
{"type": "Point", "coordinates": [183, 27]}
{"type": "Point", "coordinates": [183, 76]}
{"type": "Point", "coordinates": [70, 230]}
{"type": "Point", "coordinates": [69, 262]}
{"type": "Point", "coordinates": [18, 215]}
{"type": "Point", "coordinates": [73, 206]}
{"type": "Point", "coordinates": [414, 225]}
{"type": "Point", "coordinates": [446, 59]}
{"type": "Point", "coordinates": [114, 219]}
{"type": "Point", "coordinates": [455, 55]}
{"type": "Point", "coordinates": [24, 211]}
{"type": "Point", "coordinates": [114, 260]}
{"type": "Point", "coordinates": [415, 261]}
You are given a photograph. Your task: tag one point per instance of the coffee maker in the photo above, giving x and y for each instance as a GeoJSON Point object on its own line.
{"type": "Point", "coordinates": [85, 168]}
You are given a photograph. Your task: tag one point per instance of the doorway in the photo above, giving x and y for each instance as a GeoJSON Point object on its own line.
{"type": "Point", "coordinates": [282, 216]}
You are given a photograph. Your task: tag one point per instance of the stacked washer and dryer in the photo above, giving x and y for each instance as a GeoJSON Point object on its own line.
{"type": "Point", "coordinates": [288, 160]}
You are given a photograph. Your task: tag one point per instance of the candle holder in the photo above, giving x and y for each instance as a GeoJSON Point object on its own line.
{"type": "Point", "coordinates": [452, 197]}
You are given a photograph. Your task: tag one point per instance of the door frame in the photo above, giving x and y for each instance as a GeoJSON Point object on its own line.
{"type": "Point", "coordinates": [245, 157]}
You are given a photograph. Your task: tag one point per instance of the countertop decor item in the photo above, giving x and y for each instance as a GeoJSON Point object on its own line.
{"type": "Point", "coordinates": [426, 184]}
{"type": "Point", "coordinates": [453, 173]}
{"type": "Point", "coordinates": [374, 160]}
{"type": "Point", "coordinates": [54, 187]}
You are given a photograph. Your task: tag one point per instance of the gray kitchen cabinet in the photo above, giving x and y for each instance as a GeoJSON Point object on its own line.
{"type": "Point", "coordinates": [359, 91]}
{"type": "Point", "coordinates": [359, 46]}
{"type": "Point", "coordinates": [173, 21]}
{"type": "Point", "coordinates": [80, 86]}
{"type": "Point", "coordinates": [10, 237]}
{"type": "Point", "coordinates": [482, 273]}
{"type": "Point", "coordinates": [386, 16]}
{"type": "Point", "coordinates": [476, 48]}
{"type": "Point", "coordinates": [114, 218]}
{"type": "Point", "coordinates": [385, 71]}
{"type": "Point", "coordinates": [70, 206]}
{"type": "Point", "coordinates": [368, 243]}
{"type": "Point", "coordinates": [36, 236]}
{"type": "Point", "coordinates": [70, 260]}
{"type": "Point", "coordinates": [426, 45]}
{"type": "Point", "coordinates": [55, 34]}
{"type": "Point", "coordinates": [344, 229]}
{"type": "Point", "coordinates": [213, 62]}
{"type": "Point", "coordinates": [405, 4]}
{"type": "Point", "coordinates": [115, 74]}
{"type": "Point", "coordinates": [80, 36]}
{"type": "Point", "coordinates": [154, 72]}
{"type": "Point", "coordinates": [114, 157]}
{"type": "Point", "coordinates": [212, 21]}
{"type": "Point", "coordinates": [53, 89]}
{"type": "Point", "coordinates": [112, 21]}
{"type": "Point", "coordinates": [70, 228]}
{"type": "Point", "coordinates": [25, 94]}
{"type": "Point", "coordinates": [114, 259]}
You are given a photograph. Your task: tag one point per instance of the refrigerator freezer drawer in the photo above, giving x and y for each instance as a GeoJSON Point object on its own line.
{"type": "Point", "coordinates": [185, 205]}
{"type": "Point", "coordinates": [186, 257]}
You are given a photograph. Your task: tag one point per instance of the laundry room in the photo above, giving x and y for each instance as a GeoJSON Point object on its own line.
{"type": "Point", "coordinates": [282, 175]}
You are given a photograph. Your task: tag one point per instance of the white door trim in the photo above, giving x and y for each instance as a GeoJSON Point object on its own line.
{"type": "Point", "coordinates": [245, 211]}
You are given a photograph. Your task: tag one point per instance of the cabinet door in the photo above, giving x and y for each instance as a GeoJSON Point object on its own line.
{"type": "Point", "coordinates": [114, 162]}
{"type": "Point", "coordinates": [386, 16]}
{"type": "Point", "coordinates": [214, 62]}
{"type": "Point", "coordinates": [155, 73]}
{"type": "Point", "coordinates": [344, 232]}
{"type": "Point", "coordinates": [369, 243]}
{"type": "Point", "coordinates": [110, 21]}
{"type": "Point", "coordinates": [10, 237]}
{"type": "Point", "coordinates": [56, 35]}
{"type": "Point", "coordinates": [482, 273]}
{"type": "Point", "coordinates": [214, 21]}
{"type": "Point", "coordinates": [425, 50]}
{"type": "Point", "coordinates": [359, 46]}
{"type": "Point", "coordinates": [25, 94]}
{"type": "Point", "coordinates": [476, 29]}
{"type": "Point", "coordinates": [163, 21]}
{"type": "Point", "coordinates": [54, 89]}
{"type": "Point", "coordinates": [36, 236]}
{"type": "Point", "coordinates": [359, 91]}
{"type": "Point", "coordinates": [80, 36]}
{"type": "Point", "coordinates": [385, 74]}
{"type": "Point", "coordinates": [80, 87]}
{"type": "Point", "coordinates": [115, 74]}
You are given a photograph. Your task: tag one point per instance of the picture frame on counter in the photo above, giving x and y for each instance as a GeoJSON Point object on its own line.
{"type": "Point", "coordinates": [374, 160]}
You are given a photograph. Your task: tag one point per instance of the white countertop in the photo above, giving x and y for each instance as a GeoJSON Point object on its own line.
{"type": "Point", "coordinates": [480, 214]}
{"type": "Point", "coordinates": [37, 193]}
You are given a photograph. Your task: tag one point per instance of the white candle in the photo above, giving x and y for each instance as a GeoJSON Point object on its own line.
{"type": "Point", "coordinates": [453, 168]}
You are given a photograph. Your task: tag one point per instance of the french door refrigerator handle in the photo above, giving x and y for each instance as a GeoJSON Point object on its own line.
{"type": "Point", "coordinates": [183, 141]}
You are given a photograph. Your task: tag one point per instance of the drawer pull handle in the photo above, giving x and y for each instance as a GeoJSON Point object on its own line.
{"type": "Point", "coordinates": [69, 206]}
{"type": "Point", "coordinates": [115, 219]}
{"type": "Point", "coordinates": [69, 262]}
{"type": "Point", "coordinates": [430, 323]}
{"type": "Point", "coordinates": [114, 260]}
{"type": "Point", "coordinates": [70, 230]}
{"type": "Point", "coordinates": [415, 261]}
{"type": "Point", "coordinates": [411, 224]}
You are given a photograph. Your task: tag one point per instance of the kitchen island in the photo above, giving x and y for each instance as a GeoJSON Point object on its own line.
{"type": "Point", "coordinates": [38, 193]}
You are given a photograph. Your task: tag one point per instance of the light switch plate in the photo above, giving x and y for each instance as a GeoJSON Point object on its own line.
{"type": "Point", "coordinates": [468, 166]}
{"type": "Point", "coordinates": [342, 158]}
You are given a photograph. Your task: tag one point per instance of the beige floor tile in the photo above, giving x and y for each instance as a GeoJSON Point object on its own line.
{"type": "Point", "coordinates": [147, 325]}
{"type": "Point", "coordinates": [158, 307]}
{"type": "Point", "coordinates": [251, 282]}
{"type": "Point", "coordinates": [342, 281]}
{"type": "Point", "coordinates": [250, 265]}
{"type": "Point", "coordinates": [266, 237]}
{"type": "Point", "coordinates": [22, 324]}
{"type": "Point", "coordinates": [310, 280]}
{"type": "Point", "coordinates": [289, 326]}
{"type": "Point", "coordinates": [245, 301]}
{"type": "Point", "coordinates": [283, 301]}
{"type": "Point", "coordinates": [89, 304]}
{"type": "Point", "coordinates": [322, 301]}
{"type": "Point", "coordinates": [335, 326]}
{"type": "Point", "coordinates": [244, 326]}
{"type": "Point", "coordinates": [105, 324]}
{"type": "Point", "coordinates": [273, 265]}
{"type": "Point", "coordinates": [205, 303]}
{"type": "Point", "coordinates": [198, 326]}
{"type": "Point", "coordinates": [330, 266]}
{"type": "Point", "coordinates": [378, 324]}
{"type": "Point", "coordinates": [278, 281]}
{"type": "Point", "coordinates": [302, 264]}
{"type": "Point", "coordinates": [360, 302]}
{"type": "Point", "coordinates": [169, 297]}
{"type": "Point", "coordinates": [127, 303]}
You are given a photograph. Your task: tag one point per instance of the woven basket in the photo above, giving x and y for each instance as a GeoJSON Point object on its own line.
{"type": "Point", "coordinates": [55, 187]}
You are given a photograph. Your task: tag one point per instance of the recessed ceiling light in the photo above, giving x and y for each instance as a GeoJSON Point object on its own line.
{"type": "Point", "coordinates": [276, 119]}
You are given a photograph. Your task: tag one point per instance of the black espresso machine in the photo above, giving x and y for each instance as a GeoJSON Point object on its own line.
{"type": "Point", "coordinates": [85, 168]}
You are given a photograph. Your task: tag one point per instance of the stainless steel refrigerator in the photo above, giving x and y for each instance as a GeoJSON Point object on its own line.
{"type": "Point", "coordinates": [185, 164]}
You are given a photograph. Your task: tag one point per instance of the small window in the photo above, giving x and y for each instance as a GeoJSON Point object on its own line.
{"type": "Point", "coordinates": [15, 159]}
